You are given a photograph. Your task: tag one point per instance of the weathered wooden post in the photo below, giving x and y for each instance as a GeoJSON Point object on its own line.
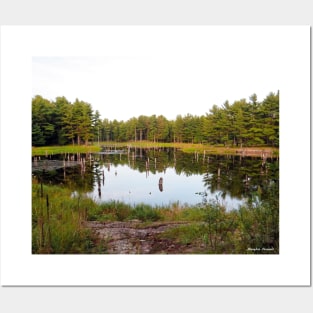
{"type": "Point", "coordinates": [161, 184]}
{"type": "Point", "coordinates": [48, 224]}
{"type": "Point", "coordinates": [218, 177]}
{"type": "Point", "coordinates": [246, 180]}
{"type": "Point", "coordinates": [99, 187]}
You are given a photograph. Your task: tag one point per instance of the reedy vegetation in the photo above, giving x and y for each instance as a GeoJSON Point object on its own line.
{"type": "Point", "coordinates": [57, 223]}
{"type": "Point", "coordinates": [185, 147]}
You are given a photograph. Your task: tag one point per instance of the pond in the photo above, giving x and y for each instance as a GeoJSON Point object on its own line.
{"type": "Point", "coordinates": [160, 177]}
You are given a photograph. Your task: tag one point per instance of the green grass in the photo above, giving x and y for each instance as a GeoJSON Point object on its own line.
{"type": "Point", "coordinates": [185, 147]}
{"type": "Point", "coordinates": [189, 147]}
{"type": "Point", "coordinates": [57, 222]}
{"type": "Point", "coordinates": [119, 211]}
{"type": "Point", "coordinates": [64, 149]}
{"type": "Point", "coordinates": [249, 230]}
{"type": "Point", "coordinates": [57, 226]}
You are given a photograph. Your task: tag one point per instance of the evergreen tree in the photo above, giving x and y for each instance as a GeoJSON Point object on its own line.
{"type": "Point", "coordinates": [43, 126]}
{"type": "Point", "coordinates": [239, 124]}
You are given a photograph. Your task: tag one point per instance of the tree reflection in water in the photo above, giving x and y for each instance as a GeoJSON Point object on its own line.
{"type": "Point", "coordinates": [233, 177]}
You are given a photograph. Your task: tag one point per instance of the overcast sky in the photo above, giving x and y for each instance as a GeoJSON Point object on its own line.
{"type": "Point", "coordinates": [120, 87]}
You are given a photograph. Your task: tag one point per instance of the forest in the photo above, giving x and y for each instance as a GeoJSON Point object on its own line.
{"type": "Point", "coordinates": [241, 123]}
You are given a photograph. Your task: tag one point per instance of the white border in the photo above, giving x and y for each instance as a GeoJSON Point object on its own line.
{"type": "Point", "coordinates": [19, 267]}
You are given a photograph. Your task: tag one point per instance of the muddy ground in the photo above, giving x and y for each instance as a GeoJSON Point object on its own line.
{"type": "Point", "coordinates": [136, 237]}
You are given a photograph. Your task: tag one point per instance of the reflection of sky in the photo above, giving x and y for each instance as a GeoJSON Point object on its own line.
{"type": "Point", "coordinates": [125, 184]}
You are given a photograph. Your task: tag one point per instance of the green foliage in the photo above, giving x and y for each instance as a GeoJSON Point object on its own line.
{"type": "Point", "coordinates": [46, 150]}
{"type": "Point", "coordinates": [243, 123]}
{"type": "Point", "coordinates": [252, 229]}
{"type": "Point", "coordinates": [119, 211]}
{"type": "Point", "coordinates": [38, 138]}
{"type": "Point", "coordinates": [57, 222]}
{"type": "Point", "coordinates": [62, 122]}
{"type": "Point", "coordinates": [58, 226]}
{"type": "Point", "coordinates": [187, 234]}
{"type": "Point", "coordinates": [145, 213]}
{"type": "Point", "coordinates": [239, 124]}
{"type": "Point", "coordinates": [258, 228]}
{"type": "Point", "coordinates": [43, 129]}
{"type": "Point", "coordinates": [109, 211]}
{"type": "Point", "coordinates": [208, 227]}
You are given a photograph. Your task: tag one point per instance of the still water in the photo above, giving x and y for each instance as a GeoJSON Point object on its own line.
{"type": "Point", "coordinates": [162, 176]}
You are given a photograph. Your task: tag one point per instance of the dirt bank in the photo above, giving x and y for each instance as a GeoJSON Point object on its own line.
{"type": "Point", "coordinates": [135, 237]}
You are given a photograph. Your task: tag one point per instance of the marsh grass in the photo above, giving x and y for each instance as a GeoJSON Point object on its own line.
{"type": "Point", "coordinates": [58, 219]}
{"type": "Point", "coordinates": [251, 229]}
{"type": "Point", "coordinates": [57, 222]}
{"type": "Point", "coordinates": [47, 150]}
{"type": "Point", "coordinates": [191, 147]}
{"type": "Point", "coordinates": [185, 147]}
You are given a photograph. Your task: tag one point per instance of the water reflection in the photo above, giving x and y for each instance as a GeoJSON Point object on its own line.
{"type": "Point", "coordinates": [162, 176]}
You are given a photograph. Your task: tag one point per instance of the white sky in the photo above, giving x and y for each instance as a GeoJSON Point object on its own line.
{"type": "Point", "coordinates": [177, 71]}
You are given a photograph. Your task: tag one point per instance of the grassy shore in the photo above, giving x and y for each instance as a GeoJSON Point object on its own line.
{"type": "Point", "coordinates": [58, 219]}
{"type": "Point", "coordinates": [186, 147]}
{"type": "Point", "coordinates": [46, 150]}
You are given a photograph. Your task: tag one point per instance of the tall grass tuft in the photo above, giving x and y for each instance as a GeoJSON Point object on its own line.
{"type": "Point", "coordinates": [57, 221]}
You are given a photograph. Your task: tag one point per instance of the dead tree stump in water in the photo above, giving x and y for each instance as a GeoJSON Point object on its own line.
{"type": "Point", "coordinates": [219, 174]}
{"type": "Point", "coordinates": [161, 184]}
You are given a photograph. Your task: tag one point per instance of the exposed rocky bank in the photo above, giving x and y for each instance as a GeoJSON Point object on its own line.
{"type": "Point", "coordinates": [136, 237]}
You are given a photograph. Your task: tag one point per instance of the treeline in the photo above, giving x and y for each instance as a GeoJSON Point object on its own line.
{"type": "Point", "coordinates": [242, 123]}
